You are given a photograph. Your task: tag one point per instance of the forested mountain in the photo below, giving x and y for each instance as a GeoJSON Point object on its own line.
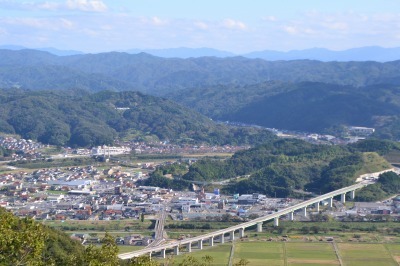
{"type": "Point", "coordinates": [54, 77]}
{"type": "Point", "coordinates": [94, 119]}
{"type": "Point", "coordinates": [155, 75]}
{"type": "Point", "coordinates": [369, 53]}
{"type": "Point", "coordinates": [280, 167]}
{"type": "Point", "coordinates": [307, 106]}
{"type": "Point", "coordinates": [300, 95]}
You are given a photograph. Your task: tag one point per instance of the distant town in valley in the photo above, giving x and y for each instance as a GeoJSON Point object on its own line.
{"type": "Point", "coordinates": [110, 188]}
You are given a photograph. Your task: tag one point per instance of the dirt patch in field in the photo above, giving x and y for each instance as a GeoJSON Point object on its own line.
{"type": "Point", "coordinates": [324, 262]}
{"type": "Point", "coordinates": [397, 258]}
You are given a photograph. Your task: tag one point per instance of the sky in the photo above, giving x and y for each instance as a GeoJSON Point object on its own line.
{"type": "Point", "coordinates": [236, 26]}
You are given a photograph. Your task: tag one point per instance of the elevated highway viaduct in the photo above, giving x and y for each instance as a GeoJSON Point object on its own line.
{"type": "Point", "coordinates": [229, 233]}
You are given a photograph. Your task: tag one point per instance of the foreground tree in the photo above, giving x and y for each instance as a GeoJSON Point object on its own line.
{"type": "Point", "coordinates": [21, 240]}
{"type": "Point", "coordinates": [142, 261]}
{"type": "Point", "coordinates": [104, 256]}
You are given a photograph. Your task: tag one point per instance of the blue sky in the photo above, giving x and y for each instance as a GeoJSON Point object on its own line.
{"type": "Point", "coordinates": [235, 26]}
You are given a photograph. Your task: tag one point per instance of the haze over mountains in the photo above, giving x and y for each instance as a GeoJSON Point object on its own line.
{"type": "Point", "coordinates": [368, 53]}
{"type": "Point", "coordinates": [306, 95]}
{"type": "Point", "coordinates": [31, 69]}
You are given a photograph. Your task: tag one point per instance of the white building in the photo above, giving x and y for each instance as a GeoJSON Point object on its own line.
{"type": "Point", "coordinates": [361, 131]}
{"type": "Point", "coordinates": [187, 201]}
{"type": "Point", "coordinates": [107, 150]}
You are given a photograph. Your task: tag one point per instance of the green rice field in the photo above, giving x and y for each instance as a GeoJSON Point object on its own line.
{"type": "Point", "coordinates": [262, 253]}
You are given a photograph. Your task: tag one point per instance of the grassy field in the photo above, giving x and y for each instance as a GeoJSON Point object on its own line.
{"type": "Point", "coordinates": [259, 253]}
{"type": "Point", "coordinates": [366, 254]}
{"type": "Point", "coordinates": [311, 253]}
{"type": "Point", "coordinates": [373, 163]}
{"type": "Point", "coordinates": [219, 253]}
{"type": "Point", "coordinates": [125, 249]}
{"type": "Point", "coordinates": [394, 251]}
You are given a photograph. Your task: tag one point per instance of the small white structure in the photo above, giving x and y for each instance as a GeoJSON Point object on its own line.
{"type": "Point", "coordinates": [107, 150]}
{"type": "Point", "coordinates": [361, 131]}
{"type": "Point", "coordinates": [148, 188]}
{"type": "Point", "coordinates": [187, 201]}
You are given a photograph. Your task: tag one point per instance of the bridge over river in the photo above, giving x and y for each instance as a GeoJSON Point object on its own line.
{"type": "Point", "coordinates": [229, 233]}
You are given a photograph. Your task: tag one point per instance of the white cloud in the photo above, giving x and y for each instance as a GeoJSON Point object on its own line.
{"type": "Point", "coordinates": [270, 18]}
{"type": "Point", "coordinates": [201, 25]}
{"type": "Point", "coordinates": [158, 21]}
{"type": "Point", "coordinates": [340, 26]}
{"type": "Point", "coordinates": [290, 29]}
{"type": "Point", "coordinates": [87, 5]}
{"type": "Point", "coordinates": [27, 22]}
{"type": "Point", "coordinates": [47, 6]}
{"type": "Point", "coordinates": [114, 30]}
{"type": "Point", "coordinates": [41, 24]}
{"type": "Point", "coordinates": [81, 5]}
{"type": "Point", "coordinates": [106, 27]}
{"type": "Point", "coordinates": [233, 24]}
{"type": "Point", "coordinates": [146, 21]}
{"type": "Point", "coordinates": [68, 24]}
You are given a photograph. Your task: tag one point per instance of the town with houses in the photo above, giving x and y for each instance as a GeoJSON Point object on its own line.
{"type": "Point", "coordinates": [95, 192]}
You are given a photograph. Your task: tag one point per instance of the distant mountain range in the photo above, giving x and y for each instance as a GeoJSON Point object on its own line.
{"type": "Point", "coordinates": [183, 52]}
{"type": "Point", "coordinates": [305, 95]}
{"type": "Point", "coordinates": [370, 53]}
{"type": "Point", "coordinates": [38, 70]}
{"type": "Point", "coordinates": [47, 49]}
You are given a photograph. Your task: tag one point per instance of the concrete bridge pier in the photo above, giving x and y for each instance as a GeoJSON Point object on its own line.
{"type": "Point", "coordinates": [211, 241]}
{"type": "Point", "coordinates": [176, 250]}
{"type": "Point", "coordinates": [189, 247]}
{"type": "Point", "coordinates": [343, 198]}
{"type": "Point", "coordinates": [200, 244]}
{"type": "Point", "coordinates": [163, 253]}
{"type": "Point", "coordinates": [276, 221]}
{"type": "Point", "coordinates": [291, 216]}
{"type": "Point", "coordinates": [317, 206]}
{"type": "Point", "coordinates": [241, 232]}
{"type": "Point", "coordinates": [352, 194]}
{"type": "Point", "coordinates": [232, 235]}
{"type": "Point", "coordinates": [331, 203]}
{"type": "Point", "coordinates": [222, 238]}
{"type": "Point", "coordinates": [305, 211]}
{"type": "Point", "coordinates": [259, 227]}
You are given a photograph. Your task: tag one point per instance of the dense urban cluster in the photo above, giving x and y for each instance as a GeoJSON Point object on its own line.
{"type": "Point", "coordinates": [91, 193]}
{"type": "Point", "coordinates": [22, 148]}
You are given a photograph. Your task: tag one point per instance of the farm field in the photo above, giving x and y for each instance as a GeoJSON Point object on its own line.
{"type": "Point", "coordinates": [310, 253]}
{"type": "Point", "coordinates": [220, 254]}
{"type": "Point", "coordinates": [259, 253]}
{"type": "Point", "coordinates": [367, 254]}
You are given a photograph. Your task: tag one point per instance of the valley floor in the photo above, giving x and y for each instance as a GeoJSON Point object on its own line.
{"type": "Point", "coordinates": [301, 253]}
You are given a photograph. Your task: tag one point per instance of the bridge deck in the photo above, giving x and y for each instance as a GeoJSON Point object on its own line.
{"type": "Point", "coordinates": [244, 225]}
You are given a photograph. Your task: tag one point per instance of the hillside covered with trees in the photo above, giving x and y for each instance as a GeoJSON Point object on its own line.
{"type": "Point", "coordinates": [306, 106]}
{"type": "Point", "coordinates": [31, 69]}
{"type": "Point", "coordinates": [26, 242]}
{"type": "Point", "coordinates": [301, 95]}
{"type": "Point", "coordinates": [83, 119]}
{"type": "Point", "coordinates": [282, 167]}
